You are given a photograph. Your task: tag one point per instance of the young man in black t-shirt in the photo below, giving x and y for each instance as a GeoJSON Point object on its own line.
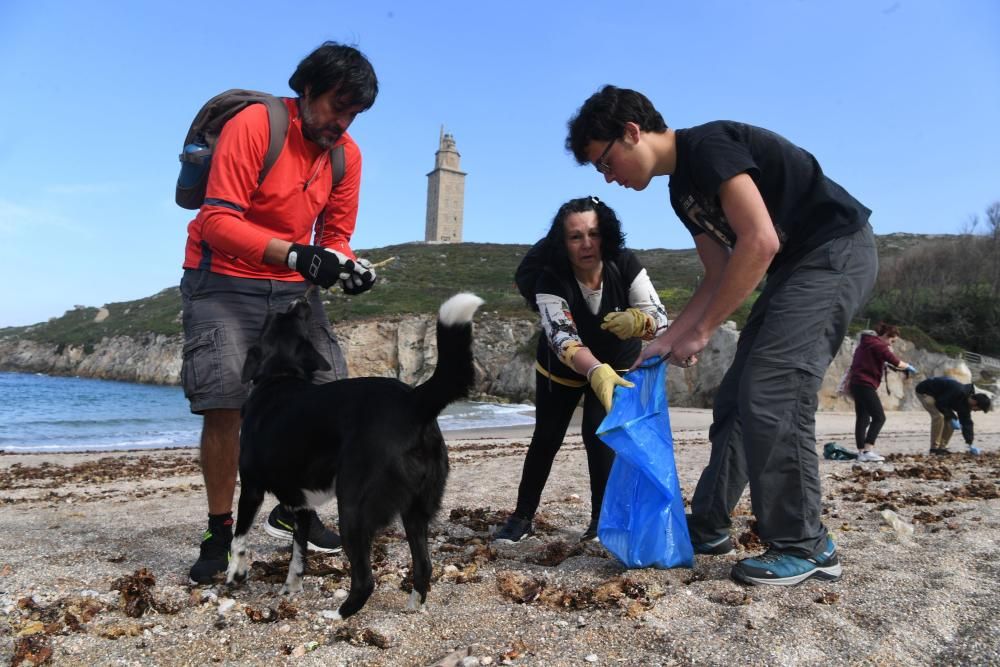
{"type": "Point", "coordinates": [757, 205]}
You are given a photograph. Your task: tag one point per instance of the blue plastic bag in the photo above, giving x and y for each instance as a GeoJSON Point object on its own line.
{"type": "Point", "coordinates": [642, 517]}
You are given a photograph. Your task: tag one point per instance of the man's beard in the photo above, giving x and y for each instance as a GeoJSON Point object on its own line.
{"type": "Point", "coordinates": [324, 136]}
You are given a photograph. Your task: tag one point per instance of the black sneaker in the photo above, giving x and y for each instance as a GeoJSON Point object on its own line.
{"type": "Point", "coordinates": [213, 557]}
{"type": "Point", "coordinates": [515, 530]}
{"type": "Point", "coordinates": [940, 451]}
{"type": "Point", "coordinates": [281, 524]}
{"type": "Point", "coordinates": [721, 546]}
{"type": "Point", "coordinates": [590, 534]}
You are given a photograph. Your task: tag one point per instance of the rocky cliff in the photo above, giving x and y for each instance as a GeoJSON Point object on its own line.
{"type": "Point", "coordinates": [401, 347]}
{"type": "Point", "coordinates": [405, 348]}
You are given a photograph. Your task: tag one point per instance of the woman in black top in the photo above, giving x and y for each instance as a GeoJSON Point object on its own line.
{"type": "Point", "coordinates": [595, 301]}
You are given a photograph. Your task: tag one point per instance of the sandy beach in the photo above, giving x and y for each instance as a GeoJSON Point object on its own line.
{"type": "Point", "coordinates": [95, 548]}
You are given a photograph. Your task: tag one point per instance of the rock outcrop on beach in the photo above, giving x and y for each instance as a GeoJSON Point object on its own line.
{"type": "Point", "coordinates": [150, 359]}
{"type": "Point", "coordinates": [405, 348]}
{"type": "Point", "coordinates": [400, 347]}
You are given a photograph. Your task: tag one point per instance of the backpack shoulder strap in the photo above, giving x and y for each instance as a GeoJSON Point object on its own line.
{"type": "Point", "coordinates": [337, 168]}
{"type": "Point", "coordinates": [277, 115]}
{"type": "Point", "coordinates": [337, 164]}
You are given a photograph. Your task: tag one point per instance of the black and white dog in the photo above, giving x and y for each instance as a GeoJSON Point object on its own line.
{"type": "Point", "coordinates": [374, 443]}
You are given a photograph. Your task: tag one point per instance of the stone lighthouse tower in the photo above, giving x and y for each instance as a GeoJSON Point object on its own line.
{"type": "Point", "coordinates": [445, 194]}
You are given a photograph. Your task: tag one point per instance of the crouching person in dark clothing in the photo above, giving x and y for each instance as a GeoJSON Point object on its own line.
{"type": "Point", "coordinates": [950, 404]}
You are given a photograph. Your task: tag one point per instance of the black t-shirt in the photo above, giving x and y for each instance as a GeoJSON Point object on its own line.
{"type": "Point", "coordinates": [807, 208]}
{"type": "Point", "coordinates": [617, 277]}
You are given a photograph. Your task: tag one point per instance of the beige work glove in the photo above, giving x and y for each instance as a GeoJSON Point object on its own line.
{"type": "Point", "coordinates": [628, 323]}
{"type": "Point", "coordinates": [603, 380]}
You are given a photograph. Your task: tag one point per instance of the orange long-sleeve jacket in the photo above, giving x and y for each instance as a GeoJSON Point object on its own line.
{"type": "Point", "coordinates": [233, 226]}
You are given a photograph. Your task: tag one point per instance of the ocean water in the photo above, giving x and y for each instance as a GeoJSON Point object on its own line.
{"type": "Point", "coordinates": [41, 413]}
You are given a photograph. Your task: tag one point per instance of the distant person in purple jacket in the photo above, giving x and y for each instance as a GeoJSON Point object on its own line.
{"type": "Point", "coordinates": [873, 356]}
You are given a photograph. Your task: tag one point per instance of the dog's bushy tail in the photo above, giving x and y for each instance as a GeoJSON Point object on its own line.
{"type": "Point", "coordinates": [454, 373]}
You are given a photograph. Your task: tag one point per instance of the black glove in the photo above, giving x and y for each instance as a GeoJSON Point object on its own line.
{"type": "Point", "coordinates": [361, 279]}
{"type": "Point", "coordinates": [319, 265]}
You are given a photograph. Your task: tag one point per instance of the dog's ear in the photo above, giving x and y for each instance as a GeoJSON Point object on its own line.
{"type": "Point", "coordinates": [309, 359]}
{"type": "Point", "coordinates": [252, 364]}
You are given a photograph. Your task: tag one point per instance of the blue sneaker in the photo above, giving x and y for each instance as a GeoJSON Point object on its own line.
{"type": "Point", "coordinates": [782, 569]}
{"type": "Point", "coordinates": [722, 546]}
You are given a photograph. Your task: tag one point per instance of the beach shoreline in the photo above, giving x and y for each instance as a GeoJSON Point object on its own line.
{"type": "Point", "coordinates": [73, 525]}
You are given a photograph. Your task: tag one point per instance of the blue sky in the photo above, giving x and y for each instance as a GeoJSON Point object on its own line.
{"type": "Point", "coordinates": [898, 99]}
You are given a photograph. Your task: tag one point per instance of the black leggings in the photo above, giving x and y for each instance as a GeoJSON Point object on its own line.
{"type": "Point", "coordinates": [869, 415]}
{"type": "Point", "coordinates": [554, 405]}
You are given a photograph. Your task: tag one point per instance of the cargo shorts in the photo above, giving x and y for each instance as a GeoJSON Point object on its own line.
{"type": "Point", "coordinates": [223, 316]}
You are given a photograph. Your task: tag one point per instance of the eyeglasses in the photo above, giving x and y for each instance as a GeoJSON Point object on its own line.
{"type": "Point", "coordinates": [600, 164]}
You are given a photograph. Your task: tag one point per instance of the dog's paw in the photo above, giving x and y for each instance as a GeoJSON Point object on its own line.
{"type": "Point", "coordinates": [291, 588]}
{"type": "Point", "coordinates": [414, 603]}
{"type": "Point", "coordinates": [235, 574]}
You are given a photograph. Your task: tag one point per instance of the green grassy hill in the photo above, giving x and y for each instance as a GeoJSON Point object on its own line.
{"type": "Point", "coordinates": [420, 278]}
{"type": "Point", "coordinates": [417, 281]}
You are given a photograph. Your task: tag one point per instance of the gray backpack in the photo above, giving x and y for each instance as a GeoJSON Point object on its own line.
{"type": "Point", "coordinates": [196, 158]}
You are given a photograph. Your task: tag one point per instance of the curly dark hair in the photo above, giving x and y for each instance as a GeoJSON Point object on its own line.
{"type": "Point", "coordinates": [603, 116]}
{"type": "Point", "coordinates": [612, 236]}
{"type": "Point", "coordinates": [338, 67]}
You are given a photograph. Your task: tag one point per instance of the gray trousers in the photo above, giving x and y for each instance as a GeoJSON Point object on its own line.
{"type": "Point", "coordinates": [764, 415]}
{"type": "Point", "coordinates": [223, 317]}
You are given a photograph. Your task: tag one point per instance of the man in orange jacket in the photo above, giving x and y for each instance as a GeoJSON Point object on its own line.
{"type": "Point", "coordinates": [254, 248]}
